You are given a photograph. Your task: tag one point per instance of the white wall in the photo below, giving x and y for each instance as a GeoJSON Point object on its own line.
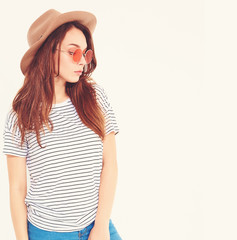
{"type": "Point", "coordinates": [169, 68]}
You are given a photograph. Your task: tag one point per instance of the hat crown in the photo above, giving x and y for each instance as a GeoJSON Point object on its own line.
{"type": "Point", "coordinates": [40, 25]}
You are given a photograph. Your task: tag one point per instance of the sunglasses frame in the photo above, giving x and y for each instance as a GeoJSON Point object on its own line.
{"type": "Point", "coordinates": [68, 52]}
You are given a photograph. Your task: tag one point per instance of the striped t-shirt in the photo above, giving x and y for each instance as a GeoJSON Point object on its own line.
{"type": "Point", "coordinates": [65, 175]}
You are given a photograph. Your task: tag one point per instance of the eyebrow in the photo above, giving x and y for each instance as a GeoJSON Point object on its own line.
{"type": "Point", "coordinates": [75, 45]}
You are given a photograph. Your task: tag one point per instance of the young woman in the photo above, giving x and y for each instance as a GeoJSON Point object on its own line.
{"type": "Point", "coordinates": [62, 126]}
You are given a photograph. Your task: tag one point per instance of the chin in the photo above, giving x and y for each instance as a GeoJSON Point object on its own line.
{"type": "Point", "coordinates": [73, 80]}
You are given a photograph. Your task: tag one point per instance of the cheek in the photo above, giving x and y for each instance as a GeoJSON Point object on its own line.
{"type": "Point", "coordinates": [66, 69]}
{"type": "Point", "coordinates": [65, 63]}
{"type": "Point", "coordinates": [65, 66]}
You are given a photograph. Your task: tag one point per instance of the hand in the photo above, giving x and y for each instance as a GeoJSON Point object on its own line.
{"type": "Point", "coordinates": [99, 232]}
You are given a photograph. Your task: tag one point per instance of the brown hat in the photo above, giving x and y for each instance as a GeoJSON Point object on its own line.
{"type": "Point", "coordinates": [44, 25]}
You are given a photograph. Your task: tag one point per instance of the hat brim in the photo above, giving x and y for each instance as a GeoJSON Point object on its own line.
{"type": "Point", "coordinates": [86, 18]}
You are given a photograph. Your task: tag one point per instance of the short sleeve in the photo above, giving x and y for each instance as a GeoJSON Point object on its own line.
{"type": "Point", "coordinates": [12, 139]}
{"type": "Point", "coordinates": [110, 118]}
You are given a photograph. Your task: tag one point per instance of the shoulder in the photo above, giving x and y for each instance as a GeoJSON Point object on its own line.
{"type": "Point", "coordinates": [101, 96]}
{"type": "Point", "coordinates": [100, 92]}
{"type": "Point", "coordinates": [98, 88]}
{"type": "Point", "coordinates": [11, 117]}
{"type": "Point", "coordinates": [11, 122]}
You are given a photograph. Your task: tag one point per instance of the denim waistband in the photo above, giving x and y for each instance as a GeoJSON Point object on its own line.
{"type": "Point", "coordinates": [86, 229]}
{"type": "Point", "coordinates": [80, 232]}
{"type": "Point", "coordinates": [36, 233]}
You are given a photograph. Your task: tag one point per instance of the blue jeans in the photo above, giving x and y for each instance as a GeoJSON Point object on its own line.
{"type": "Point", "coordinates": [35, 233]}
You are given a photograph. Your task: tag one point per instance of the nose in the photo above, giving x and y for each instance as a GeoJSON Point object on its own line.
{"type": "Point", "coordinates": [82, 60]}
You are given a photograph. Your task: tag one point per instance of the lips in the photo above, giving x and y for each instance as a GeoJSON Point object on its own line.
{"type": "Point", "coordinates": [78, 72]}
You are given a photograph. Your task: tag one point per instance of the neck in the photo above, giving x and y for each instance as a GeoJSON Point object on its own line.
{"type": "Point", "coordinates": [60, 94]}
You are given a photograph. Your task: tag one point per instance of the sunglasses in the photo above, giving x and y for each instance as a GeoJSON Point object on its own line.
{"type": "Point", "coordinates": [77, 55]}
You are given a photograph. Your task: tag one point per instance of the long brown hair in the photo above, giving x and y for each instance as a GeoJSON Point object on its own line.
{"type": "Point", "coordinates": [33, 101]}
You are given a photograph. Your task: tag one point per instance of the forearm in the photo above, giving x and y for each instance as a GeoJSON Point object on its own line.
{"type": "Point", "coordinates": [108, 182]}
{"type": "Point", "coordinates": [19, 214]}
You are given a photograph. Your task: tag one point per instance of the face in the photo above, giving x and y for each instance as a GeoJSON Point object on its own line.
{"type": "Point", "coordinates": [67, 67]}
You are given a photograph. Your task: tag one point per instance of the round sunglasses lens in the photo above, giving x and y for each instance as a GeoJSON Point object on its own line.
{"type": "Point", "coordinates": [77, 55]}
{"type": "Point", "coordinates": [89, 55]}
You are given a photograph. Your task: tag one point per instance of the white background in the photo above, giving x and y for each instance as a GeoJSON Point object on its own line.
{"type": "Point", "coordinates": [169, 68]}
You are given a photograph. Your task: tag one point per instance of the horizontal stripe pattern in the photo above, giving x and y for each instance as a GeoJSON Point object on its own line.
{"type": "Point", "coordinates": [65, 174]}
